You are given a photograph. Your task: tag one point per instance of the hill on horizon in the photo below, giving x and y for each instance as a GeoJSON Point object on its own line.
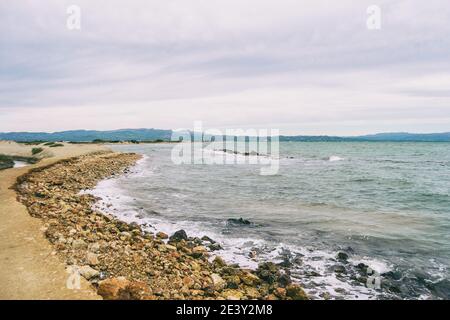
{"type": "Point", "coordinates": [160, 134]}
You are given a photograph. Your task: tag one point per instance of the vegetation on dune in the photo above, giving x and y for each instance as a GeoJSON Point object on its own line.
{"type": "Point", "coordinates": [56, 145]}
{"type": "Point", "coordinates": [7, 162]}
{"type": "Point", "coordinates": [36, 150]}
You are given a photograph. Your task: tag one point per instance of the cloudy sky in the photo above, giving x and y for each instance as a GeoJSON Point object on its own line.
{"type": "Point", "coordinates": [304, 67]}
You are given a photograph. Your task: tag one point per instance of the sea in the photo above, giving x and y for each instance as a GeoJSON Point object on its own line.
{"type": "Point", "coordinates": [347, 220]}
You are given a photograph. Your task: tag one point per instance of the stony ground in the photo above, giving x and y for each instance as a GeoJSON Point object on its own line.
{"type": "Point", "coordinates": [121, 260]}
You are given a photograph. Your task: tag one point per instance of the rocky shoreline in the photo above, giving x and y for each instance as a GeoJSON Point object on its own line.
{"type": "Point", "coordinates": [121, 260]}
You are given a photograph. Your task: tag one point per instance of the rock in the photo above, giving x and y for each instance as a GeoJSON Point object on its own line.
{"type": "Point", "coordinates": [125, 235]}
{"type": "Point", "coordinates": [198, 251]}
{"type": "Point", "coordinates": [338, 269]}
{"type": "Point", "coordinates": [268, 272]}
{"type": "Point", "coordinates": [218, 261]}
{"type": "Point", "coordinates": [109, 288]}
{"type": "Point", "coordinates": [92, 259]}
{"type": "Point", "coordinates": [284, 280]}
{"type": "Point", "coordinates": [280, 292]}
{"type": "Point", "coordinates": [134, 226]}
{"type": "Point", "coordinates": [250, 279]}
{"type": "Point", "coordinates": [215, 247]}
{"type": "Point", "coordinates": [170, 247]}
{"type": "Point", "coordinates": [135, 290]}
{"type": "Point", "coordinates": [188, 281]}
{"type": "Point", "coordinates": [239, 221]}
{"type": "Point", "coordinates": [178, 236]}
{"type": "Point", "coordinates": [342, 256]}
{"type": "Point", "coordinates": [162, 235]}
{"type": "Point", "coordinates": [362, 267]}
{"type": "Point", "coordinates": [231, 294]}
{"type": "Point", "coordinates": [95, 247]}
{"type": "Point", "coordinates": [78, 243]}
{"type": "Point", "coordinates": [252, 293]}
{"type": "Point", "coordinates": [206, 238]}
{"type": "Point", "coordinates": [88, 272]}
{"type": "Point", "coordinates": [218, 282]}
{"type": "Point", "coordinates": [295, 292]}
{"type": "Point", "coordinates": [233, 282]}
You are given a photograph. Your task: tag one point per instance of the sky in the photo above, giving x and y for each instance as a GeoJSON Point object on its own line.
{"type": "Point", "coordinates": [303, 67]}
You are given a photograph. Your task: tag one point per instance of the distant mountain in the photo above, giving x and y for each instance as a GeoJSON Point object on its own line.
{"type": "Point", "coordinates": [404, 136]}
{"type": "Point", "coordinates": [157, 134]}
{"type": "Point", "coordinates": [397, 136]}
{"type": "Point", "coordinates": [312, 138]}
{"type": "Point", "coordinates": [89, 135]}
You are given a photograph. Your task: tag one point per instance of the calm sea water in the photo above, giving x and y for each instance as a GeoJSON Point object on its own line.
{"type": "Point", "coordinates": [386, 205]}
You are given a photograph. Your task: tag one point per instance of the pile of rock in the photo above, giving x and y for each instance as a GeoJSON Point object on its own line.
{"type": "Point", "coordinates": [125, 262]}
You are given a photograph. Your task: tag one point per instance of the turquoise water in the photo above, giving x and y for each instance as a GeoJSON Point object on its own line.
{"type": "Point", "coordinates": [386, 205]}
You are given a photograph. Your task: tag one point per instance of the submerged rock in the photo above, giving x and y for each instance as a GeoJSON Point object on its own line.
{"type": "Point", "coordinates": [342, 256]}
{"type": "Point", "coordinates": [239, 221]}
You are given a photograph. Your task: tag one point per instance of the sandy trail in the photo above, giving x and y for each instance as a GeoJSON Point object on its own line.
{"type": "Point", "coordinates": [28, 267]}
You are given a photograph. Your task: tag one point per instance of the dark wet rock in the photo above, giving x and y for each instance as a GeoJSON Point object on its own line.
{"type": "Point", "coordinates": [338, 269]}
{"type": "Point", "coordinates": [122, 226]}
{"type": "Point", "coordinates": [340, 290]}
{"type": "Point", "coordinates": [284, 280]}
{"type": "Point", "coordinates": [239, 221]}
{"type": "Point", "coordinates": [295, 292]}
{"type": "Point", "coordinates": [178, 236]}
{"type": "Point", "coordinates": [342, 256]}
{"type": "Point", "coordinates": [285, 263]}
{"type": "Point", "coordinates": [134, 226]}
{"type": "Point", "coordinates": [215, 247]}
{"type": "Point", "coordinates": [39, 195]}
{"type": "Point", "coordinates": [298, 260]}
{"type": "Point", "coordinates": [206, 238]}
{"type": "Point", "coordinates": [362, 267]}
{"type": "Point", "coordinates": [312, 274]}
{"type": "Point", "coordinates": [394, 275]}
{"type": "Point", "coordinates": [268, 271]}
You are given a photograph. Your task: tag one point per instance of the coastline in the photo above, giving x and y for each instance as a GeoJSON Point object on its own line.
{"type": "Point", "coordinates": [121, 261]}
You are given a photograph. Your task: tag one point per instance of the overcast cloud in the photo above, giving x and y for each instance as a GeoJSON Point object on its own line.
{"type": "Point", "coordinates": [304, 67]}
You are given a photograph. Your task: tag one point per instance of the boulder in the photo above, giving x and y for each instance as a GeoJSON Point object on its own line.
{"type": "Point", "coordinates": [88, 272]}
{"type": "Point", "coordinates": [218, 282]}
{"type": "Point", "coordinates": [92, 259]}
{"type": "Point", "coordinates": [295, 292]}
{"type": "Point", "coordinates": [342, 256]}
{"type": "Point", "coordinates": [239, 221]}
{"type": "Point", "coordinates": [162, 235]}
{"type": "Point", "coordinates": [78, 244]}
{"type": "Point", "coordinates": [250, 279]}
{"type": "Point", "coordinates": [178, 236]}
{"type": "Point", "coordinates": [109, 288]}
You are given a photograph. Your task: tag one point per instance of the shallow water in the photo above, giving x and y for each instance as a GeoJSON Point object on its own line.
{"type": "Point", "coordinates": [386, 205]}
{"type": "Point", "coordinates": [20, 164]}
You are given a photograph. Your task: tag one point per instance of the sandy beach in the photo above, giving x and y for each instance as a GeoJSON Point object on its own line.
{"type": "Point", "coordinates": [54, 232]}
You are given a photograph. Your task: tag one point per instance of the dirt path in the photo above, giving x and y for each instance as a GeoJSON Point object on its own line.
{"type": "Point", "coordinates": [28, 267]}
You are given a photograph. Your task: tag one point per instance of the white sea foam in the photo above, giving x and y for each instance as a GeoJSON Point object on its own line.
{"type": "Point", "coordinates": [335, 158]}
